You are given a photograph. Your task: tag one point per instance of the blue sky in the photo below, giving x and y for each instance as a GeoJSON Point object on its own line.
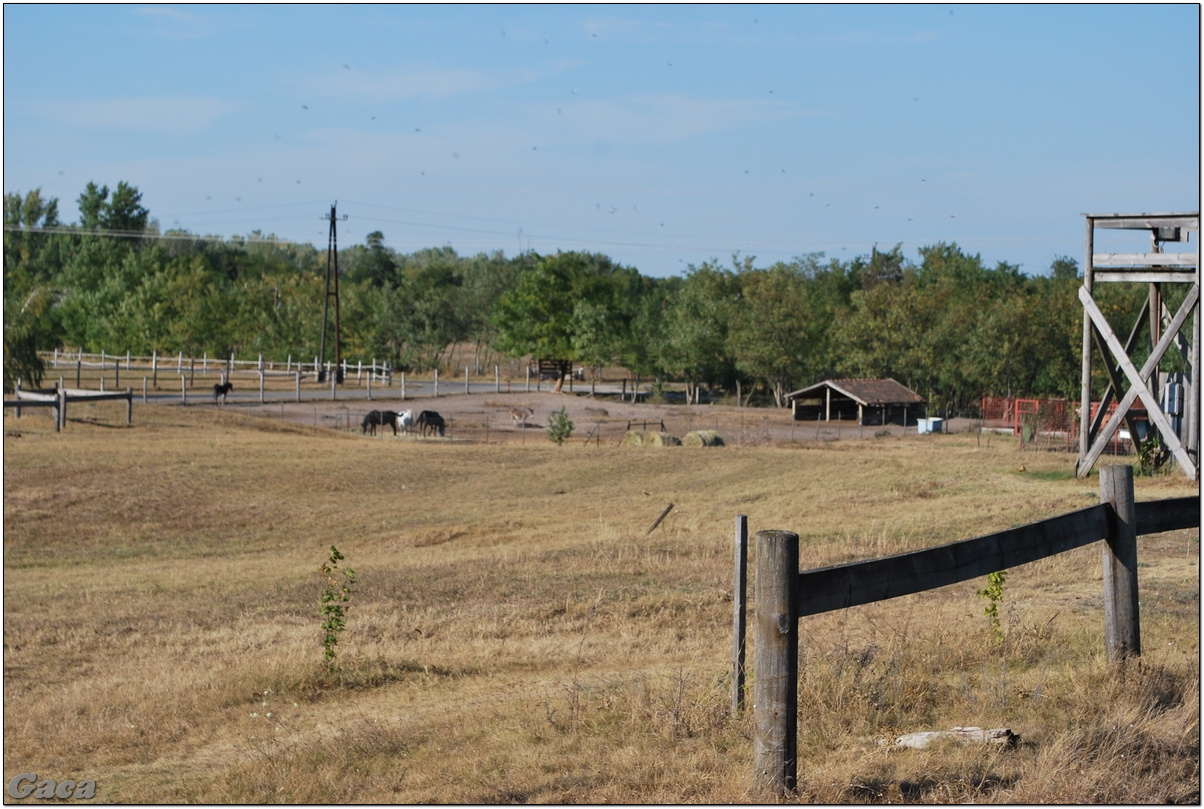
{"type": "Point", "coordinates": [662, 136]}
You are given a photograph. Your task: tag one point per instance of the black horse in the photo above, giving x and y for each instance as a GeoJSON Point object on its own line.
{"type": "Point", "coordinates": [379, 418]}
{"type": "Point", "coordinates": [220, 389]}
{"type": "Point", "coordinates": [429, 419]}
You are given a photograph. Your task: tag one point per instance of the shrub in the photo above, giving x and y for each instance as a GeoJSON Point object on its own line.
{"type": "Point", "coordinates": [560, 427]}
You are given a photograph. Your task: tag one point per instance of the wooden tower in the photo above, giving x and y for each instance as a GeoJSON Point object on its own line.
{"type": "Point", "coordinates": [1155, 268]}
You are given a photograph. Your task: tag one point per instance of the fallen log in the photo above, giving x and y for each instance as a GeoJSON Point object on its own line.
{"type": "Point", "coordinates": [998, 736]}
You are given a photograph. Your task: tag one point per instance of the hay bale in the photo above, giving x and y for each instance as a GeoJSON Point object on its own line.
{"type": "Point", "coordinates": [702, 438]}
{"type": "Point", "coordinates": [640, 438]}
{"type": "Point", "coordinates": [632, 438]}
{"type": "Point", "coordinates": [653, 439]}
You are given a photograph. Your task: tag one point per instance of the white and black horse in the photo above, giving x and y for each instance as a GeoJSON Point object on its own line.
{"type": "Point", "coordinates": [220, 389]}
{"type": "Point", "coordinates": [379, 418]}
{"type": "Point", "coordinates": [430, 420]}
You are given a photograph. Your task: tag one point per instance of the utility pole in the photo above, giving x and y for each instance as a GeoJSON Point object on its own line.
{"type": "Point", "coordinates": [332, 260]}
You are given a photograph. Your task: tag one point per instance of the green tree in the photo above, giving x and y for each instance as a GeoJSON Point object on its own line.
{"type": "Point", "coordinates": [773, 333]}
{"type": "Point", "coordinates": [695, 348]}
{"type": "Point", "coordinates": [373, 262]}
{"type": "Point", "coordinates": [31, 258]}
{"type": "Point", "coordinates": [92, 204]}
{"type": "Point", "coordinates": [23, 326]}
{"type": "Point", "coordinates": [645, 343]}
{"type": "Point", "coordinates": [538, 315]}
{"type": "Point", "coordinates": [124, 211]}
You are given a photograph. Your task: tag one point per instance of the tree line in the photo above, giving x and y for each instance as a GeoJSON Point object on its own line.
{"type": "Point", "coordinates": [944, 324]}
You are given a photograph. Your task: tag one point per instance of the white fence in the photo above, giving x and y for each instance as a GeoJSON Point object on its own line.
{"type": "Point", "coordinates": [179, 364]}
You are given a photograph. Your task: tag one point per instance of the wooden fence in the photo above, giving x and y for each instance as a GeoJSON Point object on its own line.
{"type": "Point", "coordinates": [57, 399]}
{"type": "Point", "coordinates": [783, 594]}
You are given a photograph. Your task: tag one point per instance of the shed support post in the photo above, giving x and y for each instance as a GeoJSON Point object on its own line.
{"type": "Point", "coordinates": [775, 648]}
{"type": "Point", "coordinates": [1122, 631]}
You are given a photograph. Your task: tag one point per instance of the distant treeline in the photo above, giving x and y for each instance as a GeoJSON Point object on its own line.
{"type": "Point", "coordinates": [946, 326]}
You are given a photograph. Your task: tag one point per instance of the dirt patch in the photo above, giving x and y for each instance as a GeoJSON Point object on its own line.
{"type": "Point", "coordinates": [601, 419]}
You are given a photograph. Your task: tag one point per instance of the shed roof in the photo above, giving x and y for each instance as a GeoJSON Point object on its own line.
{"type": "Point", "coordinates": [865, 391]}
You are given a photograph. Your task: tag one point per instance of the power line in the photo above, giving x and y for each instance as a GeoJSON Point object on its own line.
{"type": "Point", "coordinates": [142, 234]}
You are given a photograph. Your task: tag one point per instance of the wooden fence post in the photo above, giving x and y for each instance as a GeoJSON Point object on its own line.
{"type": "Point", "coordinates": [1122, 632]}
{"type": "Point", "coordinates": [739, 605]}
{"type": "Point", "coordinates": [775, 661]}
{"type": "Point", "coordinates": [60, 413]}
{"type": "Point", "coordinates": [129, 405]}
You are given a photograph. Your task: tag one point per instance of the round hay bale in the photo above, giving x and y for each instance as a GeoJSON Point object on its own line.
{"type": "Point", "coordinates": [632, 438]}
{"type": "Point", "coordinates": [702, 438]}
{"type": "Point", "coordinates": [653, 439]}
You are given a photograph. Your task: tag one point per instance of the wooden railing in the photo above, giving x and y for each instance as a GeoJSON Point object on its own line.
{"type": "Point", "coordinates": [57, 399]}
{"type": "Point", "coordinates": [783, 594]}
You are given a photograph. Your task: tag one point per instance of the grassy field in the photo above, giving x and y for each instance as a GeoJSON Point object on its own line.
{"type": "Point", "coordinates": [515, 635]}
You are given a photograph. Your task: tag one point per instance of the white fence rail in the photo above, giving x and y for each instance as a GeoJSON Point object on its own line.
{"type": "Point", "coordinates": [180, 364]}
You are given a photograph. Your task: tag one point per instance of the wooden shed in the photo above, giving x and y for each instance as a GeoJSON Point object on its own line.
{"type": "Point", "coordinates": [861, 401]}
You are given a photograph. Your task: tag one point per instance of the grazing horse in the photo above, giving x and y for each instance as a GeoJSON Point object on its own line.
{"type": "Point", "coordinates": [379, 418]}
{"type": "Point", "coordinates": [220, 389]}
{"type": "Point", "coordinates": [429, 419]}
{"type": "Point", "coordinates": [404, 419]}
{"type": "Point", "coordinates": [519, 415]}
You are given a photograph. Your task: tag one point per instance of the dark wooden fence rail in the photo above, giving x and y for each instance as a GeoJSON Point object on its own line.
{"type": "Point", "coordinates": [783, 594]}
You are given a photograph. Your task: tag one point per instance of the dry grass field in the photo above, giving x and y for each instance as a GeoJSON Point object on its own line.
{"type": "Point", "coordinates": [516, 636]}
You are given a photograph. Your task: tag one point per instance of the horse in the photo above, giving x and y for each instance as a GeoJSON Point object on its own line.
{"type": "Point", "coordinates": [432, 420]}
{"type": "Point", "coordinates": [220, 389]}
{"type": "Point", "coordinates": [379, 418]}
{"type": "Point", "coordinates": [404, 419]}
{"type": "Point", "coordinates": [519, 415]}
